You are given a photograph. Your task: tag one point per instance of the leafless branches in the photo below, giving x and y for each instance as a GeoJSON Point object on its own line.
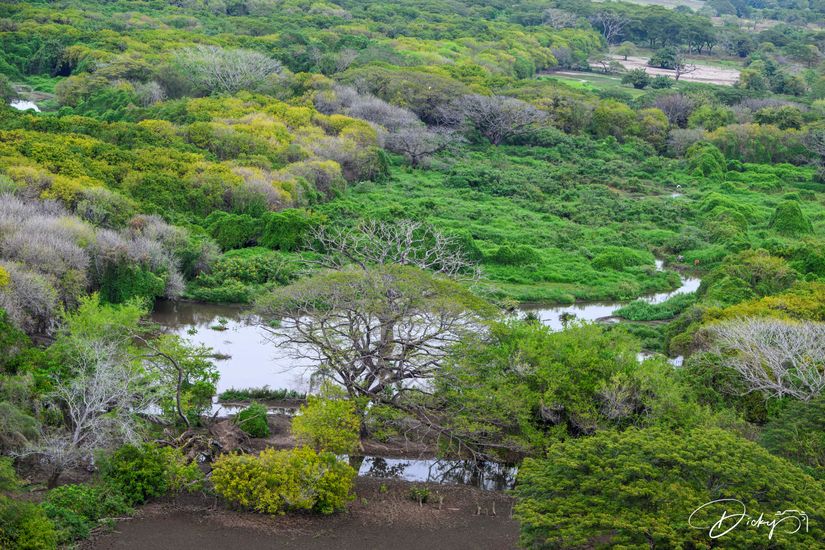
{"type": "Point", "coordinates": [497, 118]}
{"type": "Point", "coordinates": [610, 24]}
{"type": "Point", "coordinates": [405, 242]}
{"type": "Point", "coordinates": [559, 19]}
{"type": "Point", "coordinates": [214, 69]}
{"type": "Point", "coordinates": [779, 358]}
{"type": "Point", "coordinates": [100, 399]}
{"type": "Point", "coordinates": [419, 143]}
{"type": "Point", "coordinates": [683, 67]}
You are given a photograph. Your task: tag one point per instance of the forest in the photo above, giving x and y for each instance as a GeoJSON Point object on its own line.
{"type": "Point", "coordinates": [572, 252]}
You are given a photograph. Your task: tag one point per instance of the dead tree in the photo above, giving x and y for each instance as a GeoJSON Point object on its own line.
{"type": "Point", "coordinates": [777, 357]}
{"type": "Point", "coordinates": [610, 24]}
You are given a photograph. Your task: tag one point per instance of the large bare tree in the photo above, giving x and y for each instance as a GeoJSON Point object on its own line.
{"type": "Point", "coordinates": [777, 357]}
{"type": "Point", "coordinates": [610, 24]}
{"type": "Point", "coordinates": [497, 118]}
{"type": "Point", "coordinates": [418, 143]}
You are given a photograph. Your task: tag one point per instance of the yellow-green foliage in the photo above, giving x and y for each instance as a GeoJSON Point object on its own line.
{"type": "Point", "coordinates": [5, 278]}
{"type": "Point", "coordinates": [328, 425]}
{"type": "Point", "coordinates": [276, 482]}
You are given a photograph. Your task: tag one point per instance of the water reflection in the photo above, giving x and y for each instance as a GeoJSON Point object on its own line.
{"type": "Point", "coordinates": [244, 357]}
{"type": "Point", "coordinates": [491, 476]}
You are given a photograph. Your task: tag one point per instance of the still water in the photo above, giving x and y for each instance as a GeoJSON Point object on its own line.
{"type": "Point", "coordinates": [245, 358]}
{"type": "Point", "coordinates": [491, 476]}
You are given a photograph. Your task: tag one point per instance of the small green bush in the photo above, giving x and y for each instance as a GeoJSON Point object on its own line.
{"type": "Point", "coordinates": [328, 424]}
{"type": "Point", "coordinates": [289, 229]}
{"type": "Point", "coordinates": [640, 310]}
{"type": "Point", "coordinates": [252, 420]}
{"type": "Point", "coordinates": [264, 392]}
{"type": "Point", "coordinates": [275, 482]}
{"type": "Point", "coordinates": [518, 254]}
{"type": "Point", "coordinates": [75, 509]}
{"type": "Point", "coordinates": [233, 230]}
{"type": "Point", "coordinates": [141, 472]}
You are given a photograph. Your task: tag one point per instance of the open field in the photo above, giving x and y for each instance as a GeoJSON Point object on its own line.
{"type": "Point", "coordinates": [591, 81]}
{"type": "Point", "coordinates": [708, 74]}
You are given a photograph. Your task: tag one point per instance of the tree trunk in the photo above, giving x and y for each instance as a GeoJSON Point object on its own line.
{"type": "Point", "coordinates": [52, 481]}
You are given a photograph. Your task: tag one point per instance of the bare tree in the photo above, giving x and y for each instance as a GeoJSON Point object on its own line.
{"type": "Point", "coordinates": [814, 142]}
{"type": "Point", "coordinates": [683, 67]}
{"type": "Point", "coordinates": [676, 107]}
{"type": "Point", "coordinates": [344, 59]}
{"type": "Point", "coordinates": [100, 399]}
{"type": "Point", "coordinates": [610, 24]}
{"type": "Point", "coordinates": [214, 69]}
{"type": "Point", "coordinates": [379, 243]}
{"type": "Point", "coordinates": [497, 118]}
{"type": "Point", "coordinates": [418, 143]}
{"type": "Point", "coordinates": [559, 19]}
{"type": "Point", "coordinates": [777, 357]}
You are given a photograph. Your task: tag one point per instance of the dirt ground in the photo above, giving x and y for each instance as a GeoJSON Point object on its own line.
{"type": "Point", "coordinates": [703, 73]}
{"type": "Point", "coordinates": [381, 516]}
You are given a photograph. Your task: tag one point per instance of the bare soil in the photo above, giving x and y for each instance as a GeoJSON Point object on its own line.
{"type": "Point", "coordinates": [381, 516]}
{"type": "Point", "coordinates": [704, 73]}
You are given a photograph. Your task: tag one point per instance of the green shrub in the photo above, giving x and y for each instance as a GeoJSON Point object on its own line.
{"type": "Point", "coordinates": [515, 254]}
{"type": "Point", "coordinates": [233, 230]}
{"type": "Point", "coordinates": [661, 82]}
{"type": "Point", "coordinates": [705, 159]}
{"type": "Point", "coordinates": [24, 526]}
{"type": "Point", "coordinates": [141, 472]}
{"type": "Point", "coordinates": [240, 275]}
{"type": "Point", "coordinates": [798, 434]}
{"type": "Point", "coordinates": [328, 425]}
{"type": "Point", "coordinates": [275, 482]}
{"type": "Point", "coordinates": [789, 219]}
{"type": "Point", "coordinates": [638, 489]}
{"type": "Point", "coordinates": [122, 282]}
{"type": "Point", "coordinates": [265, 392]}
{"type": "Point", "coordinates": [641, 310]}
{"type": "Point", "coordinates": [75, 509]}
{"type": "Point", "coordinates": [252, 420]}
{"type": "Point", "coordinates": [619, 258]}
{"type": "Point", "coordinates": [289, 229]}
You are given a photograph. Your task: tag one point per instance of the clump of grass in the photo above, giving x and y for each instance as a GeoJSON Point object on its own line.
{"type": "Point", "coordinates": [263, 393]}
{"type": "Point", "coordinates": [419, 494]}
{"type": "Point", "coordinates": [640, 310]}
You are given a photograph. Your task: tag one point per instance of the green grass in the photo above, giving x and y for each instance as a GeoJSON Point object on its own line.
{"type": "Point", "coordinates": [264, 393]}
{"type": "Point", "coordinates": [571, 212]}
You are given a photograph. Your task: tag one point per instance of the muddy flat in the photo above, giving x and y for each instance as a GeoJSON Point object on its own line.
{"type": "Point", "coordinates": [382, 516]}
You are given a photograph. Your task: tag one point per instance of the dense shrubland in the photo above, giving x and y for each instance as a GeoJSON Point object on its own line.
{"type": "Point", "coordinates": [383, 179]}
